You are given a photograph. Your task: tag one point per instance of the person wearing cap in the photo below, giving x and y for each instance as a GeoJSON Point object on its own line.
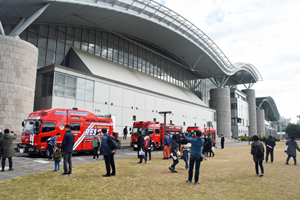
{"type": "Point", "coordinates": [258, 160]}
{"type": "Point", "coordinates": [291, 151]}
{"type": "Point", "coordinates": [8, 149]}
{"type": "Point", "coordinates": [166, 147]}
{"type": "Point", "coordinates": [67, 148]}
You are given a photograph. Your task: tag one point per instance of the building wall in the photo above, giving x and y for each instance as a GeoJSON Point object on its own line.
{"type": "Point", "coordinates": [239, 114]}
{"type": "Point", "coordinates": [18, 61]}
{"type": "Point", "coordinates": [129, 104]}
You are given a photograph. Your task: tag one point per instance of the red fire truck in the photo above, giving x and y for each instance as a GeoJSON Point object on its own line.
{"type": "Point", "coordinates": [46, 123]}
{"type": "Point", "coordinates": [156, 132]}
{"type": "Point", "coordinates": [204, 131]}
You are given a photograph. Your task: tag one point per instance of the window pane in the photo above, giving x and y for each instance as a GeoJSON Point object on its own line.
{"type": "Point", "coordinates": [51, 45]}
{"type": "Point", "coordinates": [42, 54]}
{"type": "Point", "coordinates": [59, 59]}
{"type": "Point", "coordinates": [80, 94]}
{"type": "Point", "coordinates": [81, 83]}
{"type": "Point", "coordinates": [48, 127]}
{"type": "Point", "coordinates": [71, 81]}
{"type": "Point", "coordinates": [42, 42]}
{"type": "Point", "coordinates": [60, 47]}
{"type": "Point", "coordinates": [89, 95]}
{"type": "Point", "coordinates": [89, 85]}
{"type": "Point", "coordinates": [59, 79]}
{"type": "Point", "coordinates": [75, 126]}
{"type": "Point", "coordinates": [59, 90]}
{"type": "Point", "coordinates": [70, 92]}
{"type": "Point", "coordinates": [50, 57]}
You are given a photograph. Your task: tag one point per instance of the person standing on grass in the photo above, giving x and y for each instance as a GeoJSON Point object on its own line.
{"type": "Point", "coordinates": [185, 148]}
{"type": "Point", "coordinates": [67, 148]}
{"type": "Point", "coordinates": [270, 144]}
{"type": "Point", "coordinates": [257, 150]}
{"type": "Point", "coordinates": [195, 155]}
{"type": "Point", "coordinates": [6, 141]}
{"type": "Point", "coordinates": [166, 147]}
{"type": "Point", "coordinates": [125, 132]}
{"type": "Point", "coordinates": [206, 147]}
{"type": "Point", "coordinates": [291, 151]}
{"type": "Point", "coordinates": [170, 147]}
{"type": "Point", "coordinates": [212, 144]}
{"type": "Point", "coordinates": [108, 154]}
{"type": "Point", "coordinates": [57, 157]}
{"type": "Point", "coordinates": [222, 141]}
{"type": "Point", "coordinates": [96, 145]}
{"type": "Point", "coordinates": [147, 145]}
{"type": "Point", "coordinates": [140, 143]}
{"type": "Point", "coordinates": [174, 149]}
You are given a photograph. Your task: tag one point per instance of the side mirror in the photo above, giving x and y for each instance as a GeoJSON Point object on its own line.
{"type": "Point", "coordinates": [129, 129]}
{"type": "Point", "coordinates": [23, 124]}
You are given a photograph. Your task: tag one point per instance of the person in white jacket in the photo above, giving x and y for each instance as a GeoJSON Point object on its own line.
{"type": "Point", "coordinates": [185, 148]}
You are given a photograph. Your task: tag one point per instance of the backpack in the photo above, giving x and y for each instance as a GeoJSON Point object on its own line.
{"type": "Point", "coordinates": [146, 142]}
{"type": "Point", "coordinates": [112, 143]}
{"type": "Point", "coordinates": [258, 152]}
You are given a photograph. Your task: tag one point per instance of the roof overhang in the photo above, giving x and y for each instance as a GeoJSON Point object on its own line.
{"type": "Point", "coordinates": [145, 20]}
{"type": "Point", "coordinates": [270, 108]}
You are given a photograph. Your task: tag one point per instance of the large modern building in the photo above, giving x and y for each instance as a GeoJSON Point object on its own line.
{"type": "Point", "coordinates": [128, 58]}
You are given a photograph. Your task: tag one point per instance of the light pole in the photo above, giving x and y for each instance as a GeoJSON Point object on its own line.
{"type": "Point", "coordinates": [164, 113]}
{"type": "Point", "coordinates": [248, 135]}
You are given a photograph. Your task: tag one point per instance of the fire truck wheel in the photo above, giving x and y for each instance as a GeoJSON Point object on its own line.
{"type": "Point", "coordinates": [47, 153]}
{"type": "Point", "coordinates": [152, 147]}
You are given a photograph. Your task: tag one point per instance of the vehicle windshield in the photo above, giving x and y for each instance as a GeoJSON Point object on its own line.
{"type": "Point", "coordinates": [29, 126]}
{"type": "Point", "coordinates": [135, 130]}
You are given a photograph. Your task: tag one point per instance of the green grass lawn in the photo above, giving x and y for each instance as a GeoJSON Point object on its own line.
{"type": "Point", "coordinates": [228, 175]}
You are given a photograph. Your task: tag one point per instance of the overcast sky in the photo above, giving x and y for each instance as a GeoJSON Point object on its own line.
{"type": "Point", "coordinates": [263, 33]}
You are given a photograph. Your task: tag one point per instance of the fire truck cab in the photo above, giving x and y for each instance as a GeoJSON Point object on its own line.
{"type": "Point", "coordinates": [155, 131]}
{"type": "Point", "coordinates": [204, 131]}
{"type": "Point", "coordinates": [46, 123]}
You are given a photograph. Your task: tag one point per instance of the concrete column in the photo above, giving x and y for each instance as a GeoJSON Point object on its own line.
{"type": "Point", "coordinates": [220, 100]}
{"type": "Point", "coordinates": [18, 65]}
{"type": "Point", "coordinates": [252, 110]}
{"type": "Point", "coordinates": [260, 122]}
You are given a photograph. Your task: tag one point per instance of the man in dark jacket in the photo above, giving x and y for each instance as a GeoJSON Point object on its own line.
{"type": "Point", "coordinates": [67, 148]}
{"type": "Point", "coordinates": [222, 141]}
{"type": "Point", "coordinates": [174, 149]}
{"type": "Point", "coordinates": [108, 154]}
{"type": "Point", "coordinates": [125, 132]}
{"type": "Point", "coordinates": [140, 143]}
{"type": "Point", "coordinates": [270, 144]}
{"type": "Point", "coordinates": [8, 149]}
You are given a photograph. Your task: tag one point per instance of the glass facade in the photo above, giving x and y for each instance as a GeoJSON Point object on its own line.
{"type": "Point", "coordinates": [73, 87]}
{"type": "Point", "coordinates": [54, 43]}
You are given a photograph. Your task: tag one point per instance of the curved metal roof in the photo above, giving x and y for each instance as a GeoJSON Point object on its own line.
{"type": "Point", "coordinates": [143, 19]}
{"type": "Point", "coordinates": [268, 104]}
